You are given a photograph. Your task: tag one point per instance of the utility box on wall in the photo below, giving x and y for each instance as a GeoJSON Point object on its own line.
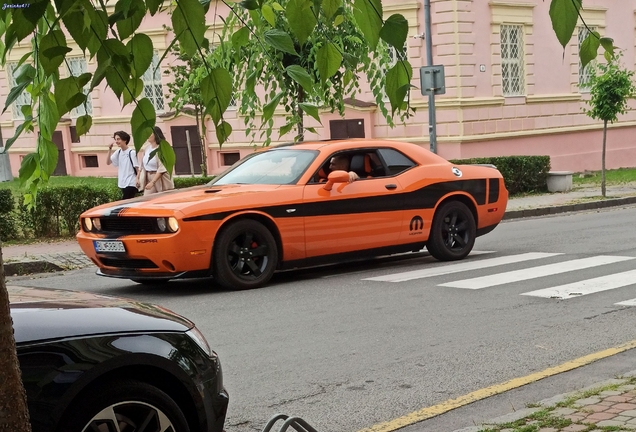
{"type": "Point", "coordinates": [432, 80]}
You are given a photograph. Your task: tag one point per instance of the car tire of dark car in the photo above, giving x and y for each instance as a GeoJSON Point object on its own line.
{"type": "Point", "coordinates": [245, 255]}
{"type": "Point", "coordinates": [453, 232]}
{"type": "Point", "coordinates": [135, 405]}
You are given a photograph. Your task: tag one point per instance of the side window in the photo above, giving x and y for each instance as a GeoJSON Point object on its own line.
{"type": "Point", "coordinates": [395, 161]}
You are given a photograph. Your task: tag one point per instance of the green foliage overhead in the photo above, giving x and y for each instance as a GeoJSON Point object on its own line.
{"type": "Point", "coordinates": [565, 15]}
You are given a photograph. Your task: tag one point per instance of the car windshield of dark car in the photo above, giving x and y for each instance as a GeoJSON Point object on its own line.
{"type": "Point", "coordinates": [274, 167]}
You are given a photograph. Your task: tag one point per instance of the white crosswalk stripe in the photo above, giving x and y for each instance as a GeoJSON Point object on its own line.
{"type": "Point", "coordinates": [588, 286]}
{"type": "Point", "coordinates": [461, 267]}
{"type": "Point", "coordinates": [631, 302]}
{"type": "Point", "coordinates": [535, 272]}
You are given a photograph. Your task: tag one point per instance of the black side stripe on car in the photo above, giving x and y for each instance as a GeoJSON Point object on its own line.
{"type": "Point", "coordinates": [426, 197]}
{"type": "Point", "coordinates": [493, 190]}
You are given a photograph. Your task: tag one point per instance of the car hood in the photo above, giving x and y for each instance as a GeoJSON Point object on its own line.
{"type": "Point", "coordinates": [182, 199]}
{"type": "Point", "coordinates": [45, 314]}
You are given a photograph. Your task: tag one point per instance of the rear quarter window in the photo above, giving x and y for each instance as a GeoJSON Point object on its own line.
{"type": "Point", "coordinates": [395, 161]}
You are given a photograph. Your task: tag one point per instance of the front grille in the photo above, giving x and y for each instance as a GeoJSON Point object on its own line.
{"type": "Point", "coordinates": [132, 225]}
{"type": "Point", "coordinates": [128, 263]}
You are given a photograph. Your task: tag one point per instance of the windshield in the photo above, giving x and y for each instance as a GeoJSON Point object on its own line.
{"type": "Point", "coordinates": [274, 167]}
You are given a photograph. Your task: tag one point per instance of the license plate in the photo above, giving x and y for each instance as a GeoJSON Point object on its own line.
{"type": "Point", "coordinates": [109, 246]}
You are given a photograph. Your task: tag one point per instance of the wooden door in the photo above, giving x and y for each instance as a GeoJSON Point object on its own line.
{"type": "Point", "coordinates": [187, 162]}
{"type": "Point", "coordinates": [343, 129]}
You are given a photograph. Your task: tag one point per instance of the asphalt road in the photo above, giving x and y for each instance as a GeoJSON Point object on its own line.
{"type": "Point", "coordinates": [346, 353]}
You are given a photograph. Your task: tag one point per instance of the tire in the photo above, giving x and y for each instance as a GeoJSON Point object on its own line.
{"type": "Point", "coordinates": [453, 232]}
{"type": "Point", "coordinates": [245, 255]}
{"type": "Point", "coordinates": [131, 403]}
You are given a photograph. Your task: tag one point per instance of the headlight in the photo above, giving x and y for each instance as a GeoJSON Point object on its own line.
{"type": "Point", "coordinates": [161, 224]}
{"type": "Point", "coordinates": [88, 225]}
{"type": "Point", "coordinates": [97, 223]}
{"type": "Point", "coordinates": [173, 225]}
{"type": "Point", "coordinates": [199, 339]}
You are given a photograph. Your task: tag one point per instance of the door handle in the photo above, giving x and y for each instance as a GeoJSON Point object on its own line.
{"type": "Point", "coordinates": [390, 186]}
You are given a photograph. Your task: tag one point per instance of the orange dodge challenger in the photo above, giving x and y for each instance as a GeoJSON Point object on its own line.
{"type": "Point", "coordinates": [281, 208]}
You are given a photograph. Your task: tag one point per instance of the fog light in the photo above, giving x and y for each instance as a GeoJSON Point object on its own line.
{"type": "Point", "coordinates": [173, 225]}
{"type": "Point", "coordinates": [161, 224]}
{"type": "Point", "coordinates": [97, 223]}
{"type": "Point", "coordinates": [88, 225]}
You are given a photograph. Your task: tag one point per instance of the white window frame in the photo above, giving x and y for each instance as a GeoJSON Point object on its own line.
{"type": "Point", "coordinates": [587, 72]}
{"type": "Point", "coordinates": [23, 99]}
{"type": "Point", "coordinates": [77, 66]}
{"type": "Point", "coordinates": [512, 60]}
{"type": "Point", "coordinates": [153, 89]}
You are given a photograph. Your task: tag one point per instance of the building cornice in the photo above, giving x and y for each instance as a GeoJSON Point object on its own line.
{"type": "Point", "coordinates": [519, 134]}
{"type": "Point", "coordinates": [567, 97]}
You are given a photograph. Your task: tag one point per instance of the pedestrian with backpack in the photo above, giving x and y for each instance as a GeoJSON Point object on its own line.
{"type": "Point", "coordinates": [125, 159]}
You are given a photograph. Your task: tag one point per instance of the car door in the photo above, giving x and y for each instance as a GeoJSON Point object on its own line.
{"type": "Point", "coordinates": [363, 215]}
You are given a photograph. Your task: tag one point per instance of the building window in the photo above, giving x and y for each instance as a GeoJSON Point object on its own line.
{"type": "Point", "coordinates": [23, 99]}
{"type": "Point", "coordinates": [585, 73]}
{"type": "Point", "coordinates": [229, 159]}
{"type": "Point", "coordinates": [76, 67]}
{"type": "Point", "coordinates": [90, 161]}
{"type": "Point", "coordinates": [152, 84]}
{"type": "Point", "coordinates": [512, 60]}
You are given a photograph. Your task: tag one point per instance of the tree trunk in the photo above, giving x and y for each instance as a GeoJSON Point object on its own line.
{"type": "Point", "coordinates": [14, 415]}
{"type": "Point", "coordinates": [301, 126]}
{"type": "Point", "coordinates": [204, 147]}
{"type": "Point", "coordinates": [603, 159]}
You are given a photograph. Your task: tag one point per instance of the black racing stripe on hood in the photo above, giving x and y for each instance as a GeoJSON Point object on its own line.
{"type": "Point", "coordinates": [426, 197]}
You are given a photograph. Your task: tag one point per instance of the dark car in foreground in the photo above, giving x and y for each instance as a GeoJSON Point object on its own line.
{"type": "Point", "coordinates": [98, 363]}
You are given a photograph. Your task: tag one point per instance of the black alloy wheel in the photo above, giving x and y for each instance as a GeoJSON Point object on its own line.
{"type": "Point", "coordinates": [125, 406]}
{"type": "Point", "coordinates": [453, 232]}
{"type": "Point", "coordinates": [245, 255]}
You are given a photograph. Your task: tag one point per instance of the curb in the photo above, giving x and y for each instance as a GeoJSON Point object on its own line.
{"type": "Point", "coordinates": [46, 263]}
{"type": "Point", "coordinates": [21, 268]}
{"type": "Point", "coordinates": [592, 205]}
{"type": "Point", "coordinates": [549, 402]}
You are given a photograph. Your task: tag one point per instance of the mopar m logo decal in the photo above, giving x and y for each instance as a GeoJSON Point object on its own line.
{"type": "Point", "coordinates": [417, 224]}
{"type": "Point", "coordinates": [457, 171]}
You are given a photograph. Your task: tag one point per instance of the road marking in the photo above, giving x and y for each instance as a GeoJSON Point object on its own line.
{"type": "Point", "coordinates": [535, 272]}
{"type": "Point", "coordinates": [631, 302]}
{"type": "Point", "coordinates": [588, 286]}
{"type": "Point", "coordinates": [460, 267]}
{"type": "Point", "coordinates": [451, 404]}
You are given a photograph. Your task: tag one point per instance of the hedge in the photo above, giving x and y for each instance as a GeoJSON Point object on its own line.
{"type": "Point", "coordinates": [58, 208]}
{"type": "Point", "coordinates": [522, 174]}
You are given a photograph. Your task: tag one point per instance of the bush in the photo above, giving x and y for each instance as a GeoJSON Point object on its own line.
{"type": "Point", "coordinates": [58, 209]}
{"type": "Point", "coordinates": [185, 182]}
{"type": "Point", "coordinates": [522, 174]}
{"type": "Point", "coordinates": [8, 218]}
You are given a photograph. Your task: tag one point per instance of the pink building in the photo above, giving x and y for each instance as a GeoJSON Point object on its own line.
{"type": "Point", "coordinates": [510, 90]}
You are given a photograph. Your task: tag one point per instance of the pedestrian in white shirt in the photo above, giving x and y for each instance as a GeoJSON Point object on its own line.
{"type": "Point", "coordinates": [125, 159]}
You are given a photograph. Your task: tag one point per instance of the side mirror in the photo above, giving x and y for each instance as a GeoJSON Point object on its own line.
{"type": "Point", "coordinates": [336, 177]}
